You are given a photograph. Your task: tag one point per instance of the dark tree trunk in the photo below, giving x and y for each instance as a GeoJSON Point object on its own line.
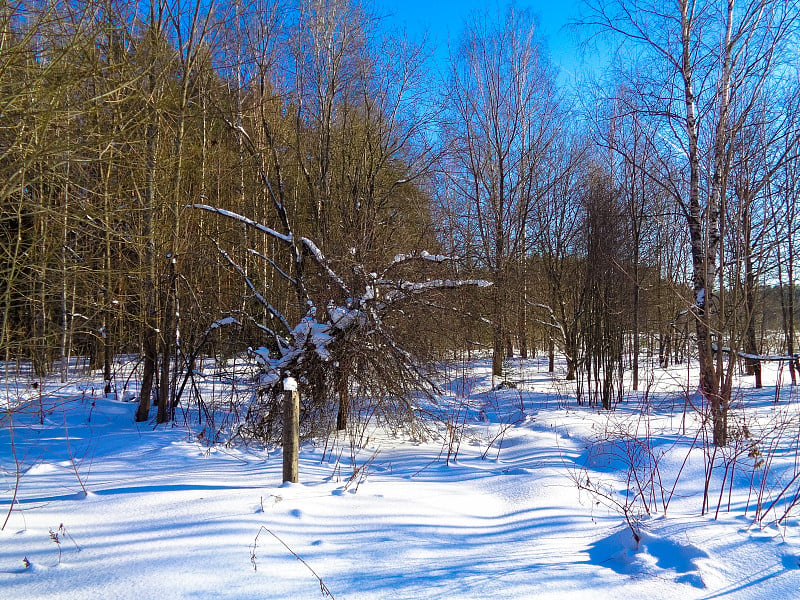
{"type": "Point", "coordinates": [167, 343]}
{"type": "Point", "coordinates": [150, 341]}
{"type": "Point", "coordinates": [344, 402]}
{"type": "Point", "coordinates": [150, 359]}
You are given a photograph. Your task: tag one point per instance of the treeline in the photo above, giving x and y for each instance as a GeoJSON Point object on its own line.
{"type": "Point", "coordinates": [664, 207]}
{"type": "Point", "coordinates": [117, 117]}
{"type": "Point", "coordinates": [664, 212]}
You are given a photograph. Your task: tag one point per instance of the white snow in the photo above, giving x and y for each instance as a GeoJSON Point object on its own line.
{"type": "Point", "coordinates": [222, 322]}
{"type": "Point", "coordinates": [106, 508]}
{"type": "Point", "coordinates": [342, 317]}
{"type": "Point", "coordinates": [422, 255]}
{"type": "Point", "coordinates": [309, 331]}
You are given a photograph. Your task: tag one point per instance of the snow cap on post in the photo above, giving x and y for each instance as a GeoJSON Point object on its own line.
{"type": "Point", "coordinates": [289, 384]}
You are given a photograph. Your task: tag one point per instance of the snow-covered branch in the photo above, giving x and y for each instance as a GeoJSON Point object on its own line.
{"type": "Point", "coordinates": [249, 222]}
{"type": "Point", "coordinates": [220, 323]}
{"type": "Point", "coordinates": [554, 322]}
{"type": "Point", "coordinates": [272, 263]}
{"type": "Point", "coordinates": [320, 259]}
{"type": "Point", "coordinates": [758, 357]}
{"type": "Point", "coordinates": [406, 289]}
{"type": "Point", "coordinates": [346, 341]}
{"type": "Point", "coordinates": [279, 340]}
{"type": "Point", "coordinates": [417, 256]}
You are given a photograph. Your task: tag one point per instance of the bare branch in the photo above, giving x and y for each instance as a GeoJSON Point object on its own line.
{"type": "Point", "coordinates": [258, 296]}
{"type": "Point", "coordinates": [249, 222]}
{"type": "Point", "coordinates": [320, 259]}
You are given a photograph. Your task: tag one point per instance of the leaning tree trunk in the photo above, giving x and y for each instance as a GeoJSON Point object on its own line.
{"type": "Point", "coordinates": [150, 312]}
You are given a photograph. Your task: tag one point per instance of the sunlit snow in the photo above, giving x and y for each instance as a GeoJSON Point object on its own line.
{"type": "Point", "coordinates": [512, 494]}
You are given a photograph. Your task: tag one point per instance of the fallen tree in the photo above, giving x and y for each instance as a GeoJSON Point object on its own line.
{"type": "Point", "coordinates": [342, 341]}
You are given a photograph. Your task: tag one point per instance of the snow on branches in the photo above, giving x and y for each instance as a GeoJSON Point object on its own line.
{"type": "Point", "coordinates": [246, 221]}
{"type": "Point", "coordinates": [336, 332]}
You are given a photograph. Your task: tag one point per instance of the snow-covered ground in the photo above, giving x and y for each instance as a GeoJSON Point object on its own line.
{"type": "Point", "coordinates": [523, 494]}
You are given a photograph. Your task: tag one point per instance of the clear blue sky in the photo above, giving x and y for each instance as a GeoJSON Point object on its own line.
{"type": "Point", "coordinates": [443, 20]}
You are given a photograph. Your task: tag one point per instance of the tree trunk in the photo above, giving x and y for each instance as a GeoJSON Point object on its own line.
{"type": "Point", "coordinates": [752, 365]}
{"type": "Point", "coordinates": [571, 347]}
{"type": "Point", "coordinates": [794, 365]}
{"type": "Point", "coordinates": [150, 341]}
{"type": "Point", "coordinates": [167, 342]}
{"type": "Point", "coordinates": [498, 341]}
{"type": "Point", "coordinates": [497, 350]}
{"type": "Point", "coordinates": [150, 358]}
{"type": "Point", "coordinates": [703, 244]}
{"type": "Point", "coordinates": [636, 343]}
{"type": "Point", "coordinates": [522, 317]}
{"type": "Point", "coordinates": [344, 401]}
{"type": "Point", "coordinates": [65, 340]}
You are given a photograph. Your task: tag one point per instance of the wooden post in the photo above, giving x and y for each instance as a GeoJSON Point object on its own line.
{"type": "Point", "coordinates": [291, 430]}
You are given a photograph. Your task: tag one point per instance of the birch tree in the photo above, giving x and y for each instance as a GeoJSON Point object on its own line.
{"type": "Point", "coordinates": [699, 59]}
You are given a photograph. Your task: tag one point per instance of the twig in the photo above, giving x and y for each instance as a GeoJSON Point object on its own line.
{"type": "Point", "coordinates": [17, 473]}
{"type": "Point", "coordinates": [322, 587]}
{"type": "Point", "coordinates": [72, 456]}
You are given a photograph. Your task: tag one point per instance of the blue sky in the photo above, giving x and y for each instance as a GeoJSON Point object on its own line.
{"type": "Point", "coordinates": [443, 20]}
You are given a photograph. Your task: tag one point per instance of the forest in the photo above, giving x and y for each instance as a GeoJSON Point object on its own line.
{"type": "Point", "coordinates": [188, 179]}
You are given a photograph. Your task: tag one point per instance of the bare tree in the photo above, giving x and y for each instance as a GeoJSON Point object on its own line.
{"type": "Point", "coordinates": [708, 64]}
{"type": "Point", "coordinates": [355, 334]}
{"type": "Point", "coordinates": [559, 240]}
{"type": "Point", "coordinates": [502, 115]}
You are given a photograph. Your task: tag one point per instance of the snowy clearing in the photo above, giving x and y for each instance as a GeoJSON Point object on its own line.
{"type": "Point", "coordinates": [530, 501]}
